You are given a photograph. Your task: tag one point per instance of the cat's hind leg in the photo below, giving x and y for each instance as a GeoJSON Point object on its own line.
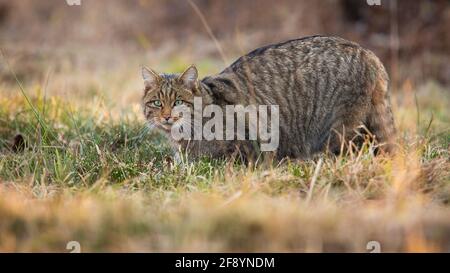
{"type": "Point", "coordinates": [380, 120]}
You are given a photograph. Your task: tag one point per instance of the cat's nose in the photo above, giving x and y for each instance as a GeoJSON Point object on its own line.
{"type": "Point", "coordinates": [166, 118]}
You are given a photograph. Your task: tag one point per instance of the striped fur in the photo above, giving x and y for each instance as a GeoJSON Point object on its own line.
{"type": "Point", "coordinates": [326, 88]}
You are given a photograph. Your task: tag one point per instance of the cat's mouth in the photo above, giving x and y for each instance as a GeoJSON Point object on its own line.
{"type": "Point", "coordinates": [167, 124]}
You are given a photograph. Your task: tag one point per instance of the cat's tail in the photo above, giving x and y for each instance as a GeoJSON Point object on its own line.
{"type": "Point", "coordinates": [380, 120]}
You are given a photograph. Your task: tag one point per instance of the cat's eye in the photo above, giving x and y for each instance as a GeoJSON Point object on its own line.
{"type": "Point", "coordinates": [156, 103]}
{"type": "Point", "coordinates": [178, 102]}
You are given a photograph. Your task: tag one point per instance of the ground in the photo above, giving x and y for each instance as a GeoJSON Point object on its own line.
{"type": "Point", "coordinates": [78, 164]}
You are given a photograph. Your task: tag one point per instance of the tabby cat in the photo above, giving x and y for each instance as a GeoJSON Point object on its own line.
{"type": "Point", "coordinates": [329, 91]}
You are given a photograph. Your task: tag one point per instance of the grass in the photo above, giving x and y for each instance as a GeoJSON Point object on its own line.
{"type": "Point", "coordinates": [90, 171]}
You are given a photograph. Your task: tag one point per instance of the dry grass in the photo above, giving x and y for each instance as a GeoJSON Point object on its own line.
{"type": "Point", "coordinates": [90, 173]}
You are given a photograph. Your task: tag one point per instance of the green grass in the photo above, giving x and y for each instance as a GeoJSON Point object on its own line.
{"type": "Point", "coordinates": [93, 173]}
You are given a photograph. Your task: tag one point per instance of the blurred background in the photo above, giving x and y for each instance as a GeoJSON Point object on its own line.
{"type": "Point", "coordinates": [411, 37]}
{"type": "Point", "coordinates": [76, 161]}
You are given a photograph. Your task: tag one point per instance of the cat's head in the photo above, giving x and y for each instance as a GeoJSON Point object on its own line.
{"type": "Point", "coordinates": [164, 92]}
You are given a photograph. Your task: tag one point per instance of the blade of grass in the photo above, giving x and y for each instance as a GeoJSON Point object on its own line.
{"type": "Point", "coordinates": [36, 113]}
{"type": "Point", "coordinates": [313, 180]}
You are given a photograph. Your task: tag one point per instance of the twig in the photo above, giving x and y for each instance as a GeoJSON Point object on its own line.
{"type": "Point", "coordinates": [208, 29]}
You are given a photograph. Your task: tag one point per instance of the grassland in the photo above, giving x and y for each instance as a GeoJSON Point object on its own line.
{"type": "Point", "coordinates": [78, 164]}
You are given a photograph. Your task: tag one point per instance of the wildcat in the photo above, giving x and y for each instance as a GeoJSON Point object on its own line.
{"type": "Point", "coordinates": [328, 90]}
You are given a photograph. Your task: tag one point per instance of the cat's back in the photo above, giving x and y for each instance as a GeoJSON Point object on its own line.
{"type": "Point", "coordinates": [318, 49]}
{"type": "Point", "coordinates": [321, 84]}
{"type": "Point", "coordinates": [299, 68]}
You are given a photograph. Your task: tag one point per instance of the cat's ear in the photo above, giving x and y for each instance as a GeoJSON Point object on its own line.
{"type": "Point", "coordinates": [150, 77]}
{"type": "Point", "coordinates": [189, 77]}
